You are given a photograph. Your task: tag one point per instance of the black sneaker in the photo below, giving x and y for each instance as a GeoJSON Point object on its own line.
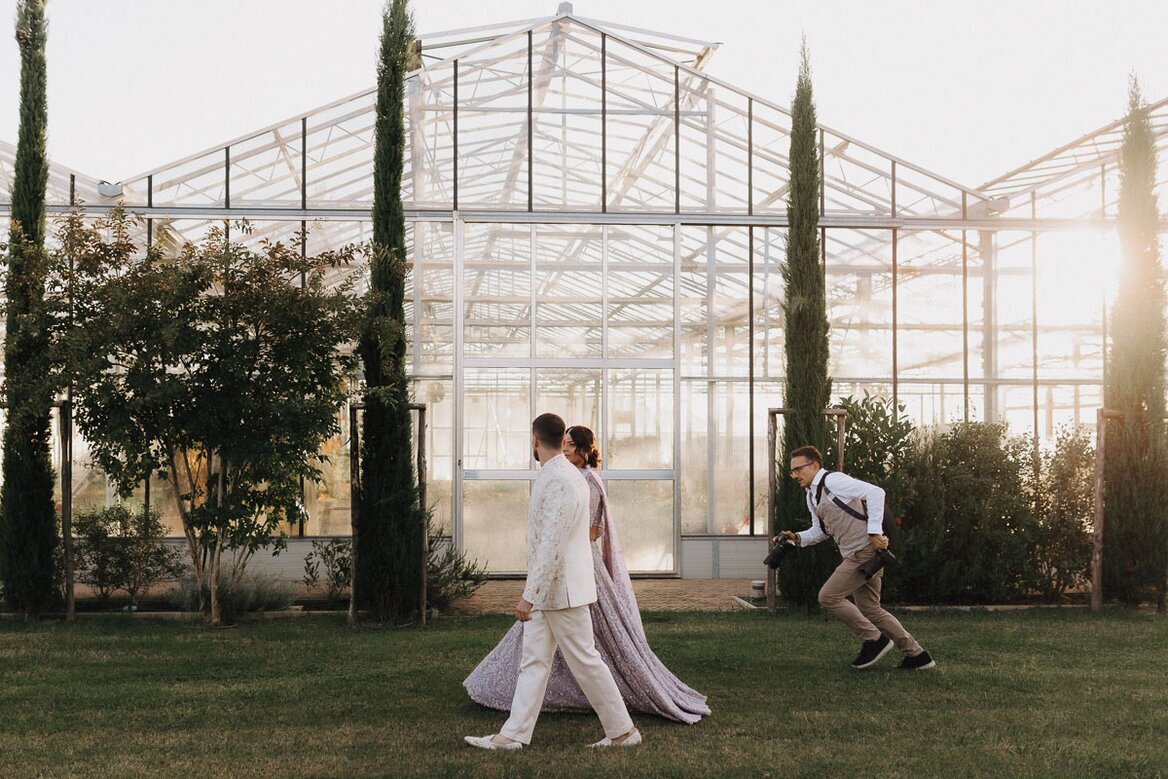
{"type": "Point", "coordinates": [921, 662]}
{"type": "Point", "coordinates": [872, 651]}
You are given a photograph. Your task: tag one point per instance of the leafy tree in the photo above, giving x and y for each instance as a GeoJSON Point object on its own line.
{"type": "Point", "coordinates": [216, 370]}
{"type": "Point", "coordinates": [807, 388]}
{"type": "Point", "coordinates": [1135, 564]}
{"type": "Point", "coordinates": [390, 520]}
{"type": "Point", "coordinates": [28, 524]}
{"type": "Point", "coordinates": [878, 447]}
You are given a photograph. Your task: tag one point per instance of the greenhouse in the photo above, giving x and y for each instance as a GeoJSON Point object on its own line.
{"type": "Point", "coordinates": [597, 228]}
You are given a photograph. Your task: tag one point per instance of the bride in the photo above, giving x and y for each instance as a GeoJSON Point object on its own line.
{"type": "Point", "coordinates": [644, 681]}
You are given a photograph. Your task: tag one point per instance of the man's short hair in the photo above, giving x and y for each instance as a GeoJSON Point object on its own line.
{"type": "Point", "coordinates": [808, 452]}
{"type": "Point", "coordinates": [549, 429]}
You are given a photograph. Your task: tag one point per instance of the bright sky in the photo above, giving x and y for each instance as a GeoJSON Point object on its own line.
{"type": "Point", "coordinates": [968, 90]}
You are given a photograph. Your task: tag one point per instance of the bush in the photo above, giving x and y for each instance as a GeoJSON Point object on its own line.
{"type": "Point", "coordinates": [969, 533]}
{"type": "Point", "coordinates": [449, 575]}
{"type": "Point", "coordinates": [121, 549]}
{"type": "Point", "coordinates": [336, 559]}
{"type": "Point", "coordinates": [252, 592]}
{"type": "Point", "coordinates": [878, 447]}
{"type": "Point", "coordinates": [1066, 513]}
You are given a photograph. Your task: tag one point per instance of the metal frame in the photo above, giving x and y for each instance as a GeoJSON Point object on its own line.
{"type": "Point", "coordinates": [479, 109]}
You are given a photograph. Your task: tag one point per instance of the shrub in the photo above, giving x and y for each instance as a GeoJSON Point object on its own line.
{"type": "Point", "coordinates": [449, 575]}
{"type": "Point", "coordinates": [968, 533]}
{"type": "Point", "coordinates": [878, 447]}
{"type": "Point", "coordinates": [121, 549]}
{"type": "Point", "coordinates": [335, 557]}
{"type": "Point", "coordinates": [1065, 511]}
{"type": "Point", "coordinates": [252, 592]}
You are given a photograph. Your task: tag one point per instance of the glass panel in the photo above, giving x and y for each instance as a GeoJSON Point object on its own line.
{"type": "Point", "coordinates": [439, 399]}
{"type": "Point", "coordinates": [769, 294]}
{"type": "Point", "coordinates": [431, 253]}
{"type": "Point", "coordinates": [340, 154]}
{"type": "Point", "coordinates": [494, 523]}
{"type": "Point", "coordinates": [266, 169]}
{"type": "Point", "coordinates": [856, 180]}
{"type": "Point", "coordinates": [492, 126]}
{"type": "Point", "coordinates": [497, 291]}
{"type": "Point", "coordinates": [640, 292]}
{"type": "Point", "coordinates": [929, 275]}
{"type": "Point", "coordinates": [328, 501]}
{"type": "Point", "coordinates": [643, 515]}
{"type": "Point", "coordinates": [713, 147]}
{"type": "Point", "coordinates": [566, 105]}
{"type": "Point", "coordinates": [497, 419]}
{"type": "Point", "coordinates": [640, 429]}
{"type": "Point", "coordinates": [772, 146]}
{"type": "Point", "coordinates": [568, 292]}
{"type": "Point", "coordinates": [859, 303]}
{"type": "Point", "coordinates": [695, 461]}
{"type": "Point", "coordinates": [428, 180]}
{"type": "Point", "coordinates": [573, 393]}
{"type": "Point", "coordinates": [641, 163]}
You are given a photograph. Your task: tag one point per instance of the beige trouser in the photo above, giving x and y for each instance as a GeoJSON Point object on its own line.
{"type": "Point", "coordinates": [571, 631]}
{"type": "Point", "coordinates": [865, 617]}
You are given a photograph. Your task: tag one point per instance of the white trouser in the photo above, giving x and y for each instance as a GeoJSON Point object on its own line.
{"type": "Point", "coordinates": [571, 631]}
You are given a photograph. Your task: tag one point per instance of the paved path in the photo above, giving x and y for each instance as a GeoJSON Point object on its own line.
{"type": "Point", "coordinates": [499, 596]}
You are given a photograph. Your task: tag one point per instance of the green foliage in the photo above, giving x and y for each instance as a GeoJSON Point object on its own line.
{"type": "Point", "coordinates": [1135, 566]}
{"type": "Point", "coordinates": [335, 559]}
{"type": "Point", "coordinates": [121, 549]}
{"type": "Point", "coordinates": [390, 520]}
{"type": "Point", "coordinates": [250, 592]}
{"type": "Point", "coordinates": [1065, 510]}
{"type": "Point", "coordinates": [968, 533]}
{"type": "Point", "coordinates": [221, 370]}
{"type": "Point", "coordinates": [878, 447]}
{"type": "Point", "coordinates": [450, 576]}
{"type": "Point", "coordinates": [807, 388]}
{"type": "Point", "coordinates": [28, 536]}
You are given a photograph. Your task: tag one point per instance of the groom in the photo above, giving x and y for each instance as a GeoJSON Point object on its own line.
{"type": "Point", "coordinates": [554, 606]}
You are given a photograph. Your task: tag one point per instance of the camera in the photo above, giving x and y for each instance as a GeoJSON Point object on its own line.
{"type": "Point", "coordinates": [777, 554]}
{"type": "Point", "coordinates": [871, 567]}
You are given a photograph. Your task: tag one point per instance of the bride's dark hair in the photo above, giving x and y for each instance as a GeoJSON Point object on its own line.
{"type": "Point", "coordinates": [585, 443]}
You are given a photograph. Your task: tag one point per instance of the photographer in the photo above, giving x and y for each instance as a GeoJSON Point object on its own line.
{"type": "Point", "coordinates": [851, 511]}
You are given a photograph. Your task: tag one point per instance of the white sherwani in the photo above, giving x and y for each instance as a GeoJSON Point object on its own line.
{"type": "Point", "coordinates": [559, 558]}
{"type": "Point", "coordinates": [560, 585]}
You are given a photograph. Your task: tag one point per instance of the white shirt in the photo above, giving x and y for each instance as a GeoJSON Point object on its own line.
{"type": "Point", "coordinates": [846, 488]}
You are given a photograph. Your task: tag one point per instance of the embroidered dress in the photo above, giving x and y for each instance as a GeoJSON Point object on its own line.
{"type": "Point", "coordinates": [645, 683]}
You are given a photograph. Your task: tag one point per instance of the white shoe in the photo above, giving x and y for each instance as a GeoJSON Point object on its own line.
{"type": "Point", "coordinates": [631, 741]}
{"type": "Point", "coordinates": [484, 742]}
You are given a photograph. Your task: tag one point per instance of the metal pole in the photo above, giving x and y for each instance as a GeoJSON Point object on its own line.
{"type": "Point", "coordinates": [421, 409]}
{"type": "Point", "coordinates": [772, 491]}
{"type": "Point", "coordinates": [354, 497]}
{"type": "Point", "coordinates": [1101, 417]}
{"type": "Point", "coordinates": [840, 415]}
{"type": "Point", "coordinates": [65, 428]}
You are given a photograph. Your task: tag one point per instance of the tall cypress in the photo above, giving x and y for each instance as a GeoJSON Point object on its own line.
{"type": "Point", "coordinates": [28, 528]}
{"type": "Point", "coordinates": [807, 388]}
{"type": "Point", "coordinates": [1135, 563]}
{"type": "Point", "coordinates": [391, 523]}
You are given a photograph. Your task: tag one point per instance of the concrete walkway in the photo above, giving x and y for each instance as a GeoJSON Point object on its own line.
{"type": "Point", "coordinates": [499, 596]}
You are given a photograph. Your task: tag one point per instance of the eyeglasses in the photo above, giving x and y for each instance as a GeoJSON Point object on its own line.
{"type": "Point", "coordinates": [795, 470]}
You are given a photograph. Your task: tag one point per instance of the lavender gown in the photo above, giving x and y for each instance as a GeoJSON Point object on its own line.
{"type": "Point", "coordinates": [644, 681]}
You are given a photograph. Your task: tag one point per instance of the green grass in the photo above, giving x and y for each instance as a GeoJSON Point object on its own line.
{"type": "Point", "coordinates": [1016, 694]}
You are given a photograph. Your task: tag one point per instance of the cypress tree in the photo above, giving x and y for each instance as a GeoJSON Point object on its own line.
{"type": "Point", "coordinates": [1136, 494]}
{"type": "Point", "coordinates": [807, 388]}
{"type": "Point", "coordinates": [390, 520]}
{"type": "Point", "coordinates": [28, 527]}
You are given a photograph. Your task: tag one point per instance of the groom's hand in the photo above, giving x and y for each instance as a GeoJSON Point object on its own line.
{"type": "Point", "coordinates": [523, 610]}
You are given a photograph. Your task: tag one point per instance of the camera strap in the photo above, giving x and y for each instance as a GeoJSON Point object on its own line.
{"type": "Point", "coordinates": [863, 517]}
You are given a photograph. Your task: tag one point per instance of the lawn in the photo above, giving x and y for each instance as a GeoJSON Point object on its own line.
{"type": "Point", "coordinates": [1016, 694]}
